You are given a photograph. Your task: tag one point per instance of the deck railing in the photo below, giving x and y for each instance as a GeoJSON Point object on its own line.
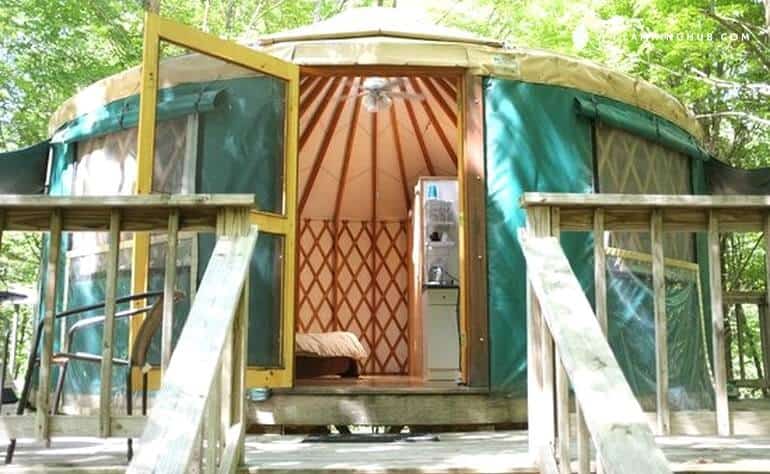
{"type": "Point", "coordinates": [207, 368]}
{"type": "Point", "coordinates": [564, 336]}
{"type": "Point", "coordinates": [657, 215]}
{"type": "Point", "coordinates": [737, 329]}
{"type": "Point", "coordinates": [559, 312]}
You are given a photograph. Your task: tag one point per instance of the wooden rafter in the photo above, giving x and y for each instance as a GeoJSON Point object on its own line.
{"type": "Point", "coordinates": [329, 97]}
{"type": "Point", "coordinates": [346, 157]}
{"type": "Point", "coordinates": [322, 149]}
{"type": "Point", "coordinates": [449, 87]}
{"type": "Point", "coordinates": [306, 82]}
{"type": "Point", "coordinates": [433, 120]}
{"type": "Point", "coordinates": [448, 110]}
{"type": "Point", "coordinates": [313, 90]}
{"type": "Point", "coordinates": [374, 167]}
{"type": "Point", "coordinates": [399, 155]}
{"type": "Point", "coordinates": [418, 132]}
{"type": "Point", "coordinates": [382, 71]}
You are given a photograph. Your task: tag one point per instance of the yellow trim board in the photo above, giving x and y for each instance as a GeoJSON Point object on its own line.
{"type": "Point", "coordinates": [159, 29]}
{"type": "Point", "coordinates": [228, 51]}
{"type": "Point", "coordinates": [647, 258]}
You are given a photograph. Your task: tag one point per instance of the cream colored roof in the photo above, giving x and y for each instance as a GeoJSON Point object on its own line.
{"type": "Point", "coordinates": [375, 21]}
{"type": "Point", "coordinates": [389, 37]}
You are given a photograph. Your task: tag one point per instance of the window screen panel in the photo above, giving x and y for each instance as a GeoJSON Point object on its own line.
{"type": "Point", "coordinates": [629, 164]}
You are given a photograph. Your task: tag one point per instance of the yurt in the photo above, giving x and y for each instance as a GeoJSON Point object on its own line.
{"type": "Point", "coordinates": [398, 157]}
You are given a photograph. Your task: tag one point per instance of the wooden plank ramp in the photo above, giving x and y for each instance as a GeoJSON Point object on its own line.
{"type": "Point", "coordinates": [467, 452]}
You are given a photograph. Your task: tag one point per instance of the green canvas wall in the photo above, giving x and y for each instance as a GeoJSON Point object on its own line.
{"type": "Point", "coordinates": [239, 151]}
{"type": "Point", "coordinates": [536, 141]}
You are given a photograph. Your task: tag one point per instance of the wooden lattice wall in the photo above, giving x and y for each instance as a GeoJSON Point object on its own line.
{"type": "Point", "coordinates": [353, 276]}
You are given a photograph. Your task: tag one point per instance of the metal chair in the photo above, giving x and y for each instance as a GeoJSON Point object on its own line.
{"type": "Point", "coordinates": [138, 357]}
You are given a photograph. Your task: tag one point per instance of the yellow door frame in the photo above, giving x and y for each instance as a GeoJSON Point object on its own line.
{"type": "Point", "coordinates": [157, 29]}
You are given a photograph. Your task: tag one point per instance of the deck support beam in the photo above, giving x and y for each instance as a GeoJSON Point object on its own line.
{"type": "Point", "coordinates": [718, 327]}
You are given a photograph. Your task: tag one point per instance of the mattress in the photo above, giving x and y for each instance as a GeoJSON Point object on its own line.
{"type": "Point", "coordinates": [330, 344]}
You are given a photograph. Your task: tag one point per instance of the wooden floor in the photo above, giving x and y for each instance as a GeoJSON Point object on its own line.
{"type": "Point", "coordinates": [488, 452]}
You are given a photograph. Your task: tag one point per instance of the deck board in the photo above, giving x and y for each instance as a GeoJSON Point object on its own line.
{"type": "Point", "coordinates": [470, 452]}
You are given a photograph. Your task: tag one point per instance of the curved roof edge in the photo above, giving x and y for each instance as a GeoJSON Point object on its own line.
{"type": "Point", "coordinates": [377, 21]}
{"type": "Point", "coordinates": [528, 65]}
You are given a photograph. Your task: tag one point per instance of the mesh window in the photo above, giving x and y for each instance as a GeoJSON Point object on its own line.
{"type": "Point", "coordinates": [629, 164]}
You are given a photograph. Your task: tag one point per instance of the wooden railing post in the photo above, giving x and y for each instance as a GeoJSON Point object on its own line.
{"type": "Point", "coordinates": [108, 332]}
{"type": "Point", "coordinates": [764, 319]}
{"type": "Point", "coordinates": [718, 326]}
{"type": "Point", "coordinates": [540, 396]}
{"type": "Point", "coordinates": [169, 289]}
{"type": "Point", "coordinates": [46, 351]}
{"type": "Point", "coordinates": [562, 383]}
{"type": "Point", "coordinates": [764, 338]}
{"type": "Point", "coordinates": [659, 311]}
{"type": "Point", "coordinates": [234, 222]}
{"type": "Point", "coordinates": [213, 410]}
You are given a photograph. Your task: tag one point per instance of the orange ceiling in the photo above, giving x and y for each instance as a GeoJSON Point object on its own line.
{"type": "Point", "coordinates": [359, 165]}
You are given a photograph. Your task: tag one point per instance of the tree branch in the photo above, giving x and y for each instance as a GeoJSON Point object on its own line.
{"type": "Point", "coordinates": [742, 115]}
{"type": "Point", "coordinates": [762, 88]}
{"type": "Point", "coordinates": [739, 28]}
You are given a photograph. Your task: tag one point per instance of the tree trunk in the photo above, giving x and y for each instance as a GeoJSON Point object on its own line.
{"type": "Point", "coordinates": [767, 16]}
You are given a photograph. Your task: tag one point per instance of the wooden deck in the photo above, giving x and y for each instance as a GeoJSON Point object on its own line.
{"type": "Point", "coordinates": [384, 400]}
{"type": "Point", "coordinates": [470, 452]}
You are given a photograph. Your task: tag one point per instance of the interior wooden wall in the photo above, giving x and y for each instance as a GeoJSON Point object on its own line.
{"type": "Point", "coordinates": [353, 276]}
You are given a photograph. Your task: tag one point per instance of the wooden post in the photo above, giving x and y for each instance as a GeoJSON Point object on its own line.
{"type": "Point", "coordinates": [169, 287]}
{"type": "Point", "coordinates": [108, 333]}
{"type": "Point", "coordinates": [2, 226]}
{"type": "Point", "coordinates": [562, 416]}
{"type": "Point", "coordinates": [718, 326]}
{"type": "Point", "coordinates": [600, 308]}
{"type": "Point", "coordinates": [583, 442]}
{"type": "Point", "coordinates": [213, 410]}
{"type": "Point", "coordinates": [659, 310]}
{"type": "Point", "coordinates": [764, 337]}
{"type": "Point", "coordinates": [600, 270]}
{"type": "Point", "coordinates": [44, 381]}
{"type": "Point", "coordinates": [540, 418]}
{"type": "Point", "coordinates": [764, 320]}
{"type": "Point", "coordinates": [562, 383]}
{"type": "Point", "coordinates": [739, 336]}
{"type": "Point", "coordinates": [240, 364]}
{"type": "Point", "coordinates": [473, 180]}
{"type": "Point", "coordinates": [728, 343]}
{"type": "Point", "coordinates": [234, 222]}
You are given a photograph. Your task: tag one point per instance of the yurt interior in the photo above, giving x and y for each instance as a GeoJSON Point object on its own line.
{"type": "Point", "coordinates": [378, 287]}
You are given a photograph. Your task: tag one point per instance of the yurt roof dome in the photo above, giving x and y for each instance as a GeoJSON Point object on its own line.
{"type": "Point", "coordinates": [377, 36]}
{"type": "Point", "coordinates": [373, 22]}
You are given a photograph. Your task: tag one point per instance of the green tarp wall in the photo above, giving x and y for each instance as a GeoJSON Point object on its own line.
{"type": "Point", "coordinates": [239, 151]}
{"type": "Point", "coordinates": [24, 171]}
{"type": "Point", "coordinates": [539, 140]}
{"type": "Point", "coordinates": [534, 142]}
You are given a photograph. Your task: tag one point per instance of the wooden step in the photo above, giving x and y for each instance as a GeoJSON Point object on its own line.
{"type": "Point", "coordinates": [385, 405]}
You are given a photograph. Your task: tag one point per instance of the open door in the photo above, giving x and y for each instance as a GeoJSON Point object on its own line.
{"type": "Point", "coordinates": [276, 216]}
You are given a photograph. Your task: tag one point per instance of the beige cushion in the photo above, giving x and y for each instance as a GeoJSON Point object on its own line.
{"type": "Point", "coordinates": [330, 344]}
